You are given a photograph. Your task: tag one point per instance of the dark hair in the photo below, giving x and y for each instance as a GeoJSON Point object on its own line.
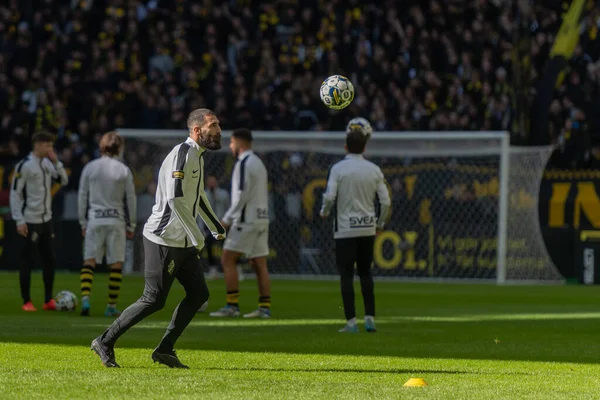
{"type": "Point", "coordinates": [111, 143]}
{"type": "Point", "coordinates": [356, 142]}
{"type": "Point", "coordinates": [242, 133]}
{"type": "Point", "coordinates": [42, 137]}
{"type": "Point", "coordinates": [196, 117]}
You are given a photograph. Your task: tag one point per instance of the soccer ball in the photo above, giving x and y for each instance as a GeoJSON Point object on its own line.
{"type": "Point", "coordinates": [337, 92]}
{"type": "Point", "coordinates": [360, 124]}
{"type": "Point", "coordinates": [65, 301]}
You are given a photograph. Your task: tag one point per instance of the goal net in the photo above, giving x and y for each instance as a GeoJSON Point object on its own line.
{"type": "Point", "coordinates": [464, 205]}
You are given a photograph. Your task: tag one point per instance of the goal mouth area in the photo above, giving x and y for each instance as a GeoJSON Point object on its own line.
{"type": "Point", "coordinates": [464, 204]}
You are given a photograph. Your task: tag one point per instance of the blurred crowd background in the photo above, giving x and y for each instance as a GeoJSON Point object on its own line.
{"type": "Point", "coordinates": [79, 68]}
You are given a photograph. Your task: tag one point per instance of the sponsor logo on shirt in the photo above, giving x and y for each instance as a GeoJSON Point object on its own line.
{"type": "Point", "coordinates": [107, 213]}
{"type": "Point", "coordinates": [366, 221]}
{"type": "Point", "coordinates": [262, 213]}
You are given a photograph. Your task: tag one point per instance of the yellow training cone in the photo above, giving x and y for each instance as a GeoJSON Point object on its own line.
{"type": "Point", "coordinates": [415, 382]}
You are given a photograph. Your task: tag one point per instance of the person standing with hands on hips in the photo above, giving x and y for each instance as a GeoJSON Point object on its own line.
{"type": "Point", "coordinates": [31, 208]}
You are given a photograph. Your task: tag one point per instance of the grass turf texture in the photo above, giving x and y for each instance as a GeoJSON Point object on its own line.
{"type": "Point", "coordinates": [466, 341]}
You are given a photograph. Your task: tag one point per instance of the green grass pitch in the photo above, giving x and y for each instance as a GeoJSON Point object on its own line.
{"type": "Point", "coordinates": [466, 341]}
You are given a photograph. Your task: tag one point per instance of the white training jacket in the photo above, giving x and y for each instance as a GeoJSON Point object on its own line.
{"type": "Point", "coordinates": [180, 198]}
{"type": "Point", "coordinates": [249, 192]}
{"type": "Point", "coordinates": [30, 191]}
{"type": "Point", "coordinates": [352, 186]}
{"type": "Point", "coordinates": [106, 194]}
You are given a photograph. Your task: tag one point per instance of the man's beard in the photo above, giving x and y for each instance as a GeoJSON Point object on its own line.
{"type": "Point", "coordinates": [210, 143]}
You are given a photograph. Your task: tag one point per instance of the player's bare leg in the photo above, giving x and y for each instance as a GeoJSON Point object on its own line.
{"type": "Point", "coordinates": [229, 261]}
{"type": "Point", "coordinates": [259, 264]}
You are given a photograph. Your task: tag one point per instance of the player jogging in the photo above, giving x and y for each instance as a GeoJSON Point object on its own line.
{"type": "Point", "coordinates": [248, 222]}
{"type": "Point", "coordinates": [31, 208]}
{"type": "Point", "coordinates": [352, 185]}
{"type": "Point", "coordinates": [107, 213]}
{"type": "Point", "coordinates": [172, 242]}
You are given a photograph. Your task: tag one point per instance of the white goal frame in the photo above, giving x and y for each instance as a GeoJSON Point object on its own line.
{"type": "Point", "coordinates": [286, 141]}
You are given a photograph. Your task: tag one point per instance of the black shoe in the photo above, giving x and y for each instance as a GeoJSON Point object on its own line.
{"type": "Point", "coordinates": [106, 353]}
{"type": "Point", "coordinates": [85, 312]}
{"type": "Point", "coordinates": [168, 358]}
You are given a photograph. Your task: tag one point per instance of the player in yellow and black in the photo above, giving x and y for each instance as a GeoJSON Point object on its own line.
{"type": "Point", "coordinates": [107, 210]}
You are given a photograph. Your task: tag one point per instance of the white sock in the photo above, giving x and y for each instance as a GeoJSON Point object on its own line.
{"type": "Point", "coordinates": [352, 321]}
{"type": "Point", "coordinates": [83, 298]}
{"type": "Point", "coordinates": [369, 318]}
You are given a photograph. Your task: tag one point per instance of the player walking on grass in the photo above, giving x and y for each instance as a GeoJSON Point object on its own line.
{"type": "Point", "coordinates": [352, 185]}
{"type": "Point", "coordinates": [31, 208]}
{"type": "Point", "coordinates": [248, 223]}
{"type": "Point", "coordinates": [107, 212]}
{"type": "Point", "coordinates": [172, 242]}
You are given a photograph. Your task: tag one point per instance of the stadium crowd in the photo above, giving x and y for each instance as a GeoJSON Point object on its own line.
{"type": "Point", "coordinates": [79, 68]}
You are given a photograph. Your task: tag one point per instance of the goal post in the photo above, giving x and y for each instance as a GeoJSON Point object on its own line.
{"type": "Point", "coordinates": [503, 206]}
{"type": "Point", "coordinates": [464, 204]}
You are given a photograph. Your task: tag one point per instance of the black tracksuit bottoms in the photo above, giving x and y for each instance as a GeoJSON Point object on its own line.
{"type": "Point", "coordinates": [359, 251]}
{"type": "Point", "coordinates": [38, 244]}
{"type": "Point", "coordinates": [162, 265]}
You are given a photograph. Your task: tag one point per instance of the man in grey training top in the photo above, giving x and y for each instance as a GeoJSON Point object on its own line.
{"type": "Point", "coordinates": [172, 242]}
{"type": "Point", "coordinates": [352, 185]}
{"type": "Point", "coordinates": [31, 208]}
{"type": "Point", "coordinates": [107, 214]}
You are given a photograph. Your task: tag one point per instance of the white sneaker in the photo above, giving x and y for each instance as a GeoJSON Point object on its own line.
{"type": "Point", "coordinates": [241, 276]}
{"type": "Point", "coordinates": [370, 324]}
{"type": "Point", "coordinates": [227, 311]}
{"type": "Point", "coordinates": [259, 313]}
{"type": "Point", "coordinates": [349, 328]}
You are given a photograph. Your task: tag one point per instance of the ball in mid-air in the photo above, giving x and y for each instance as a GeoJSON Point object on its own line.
{"type": "Point", "coordinates": [65, 301]}
{"type": "Point", "coordinates": [337, 92]}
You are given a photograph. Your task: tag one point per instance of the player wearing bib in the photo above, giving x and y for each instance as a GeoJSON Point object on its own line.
{"type": "Point", "coordinates": [107, 212]}
{"type": "Point", "coordinates": [352, 186]}
{"type": "Point", "coordinates": [248, 223]}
